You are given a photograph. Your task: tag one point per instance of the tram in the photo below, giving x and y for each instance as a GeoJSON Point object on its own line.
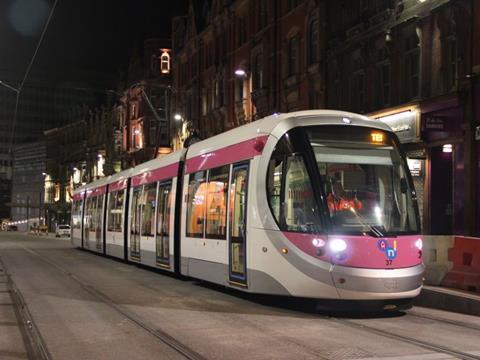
{"type": "Point", "coordinates": [315, 204]}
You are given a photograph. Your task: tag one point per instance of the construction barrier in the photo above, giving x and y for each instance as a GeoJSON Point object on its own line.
{"type": "Point", "coordinates": [465, 258]}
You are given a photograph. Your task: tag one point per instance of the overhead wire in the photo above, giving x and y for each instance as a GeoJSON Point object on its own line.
{"type": "Point", "coordinates": [27, 72]}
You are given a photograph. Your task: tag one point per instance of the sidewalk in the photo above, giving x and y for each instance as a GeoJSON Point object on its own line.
{"type": "Point", "coordinates": [454, 300]}
{"type": "Point", "coordinates": [12, 345]}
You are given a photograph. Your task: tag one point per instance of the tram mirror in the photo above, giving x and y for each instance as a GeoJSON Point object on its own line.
{"type": "Point", "coordinates": [403, 186]}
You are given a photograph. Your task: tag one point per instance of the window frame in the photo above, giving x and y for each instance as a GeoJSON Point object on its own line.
{"type": "Point", "coordinates": [189, 208]}
{"type": "Point", "coordinates": [146, 188]}
{"type": "Point", "coordinates": [297, 145]}
{"type": "Point", "coordinates": [293, 66]}
{"type": "Point", "coordinates": [226, 194]}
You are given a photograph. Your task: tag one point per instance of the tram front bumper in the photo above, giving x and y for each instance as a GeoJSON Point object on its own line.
{"type": "Point", "coordinates": [373, 284]}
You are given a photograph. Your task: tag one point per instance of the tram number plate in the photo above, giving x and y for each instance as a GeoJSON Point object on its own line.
{"type": "Point", "coordinates": [388, 262]}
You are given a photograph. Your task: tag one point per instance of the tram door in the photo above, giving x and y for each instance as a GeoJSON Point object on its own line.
{"type": "Point", "coordinates": [135, 224]}
{"type": "Point", "coordinates": [238, 217]}
{"type": "Point", "coordinates": [163, 224]}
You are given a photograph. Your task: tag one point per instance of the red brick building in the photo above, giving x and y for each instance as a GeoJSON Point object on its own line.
{"type": "Point", "coordinates": [236, 61]}
{"type": "Point", "coordinates": [413, 64]}
{"type": "Point", "coordinates": [143, 114]}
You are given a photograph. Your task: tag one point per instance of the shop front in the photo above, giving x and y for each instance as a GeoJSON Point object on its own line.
{"type": "Point", "coordinates": [405, 122]}
{"type": "Point", "coordinates": [442, 132]}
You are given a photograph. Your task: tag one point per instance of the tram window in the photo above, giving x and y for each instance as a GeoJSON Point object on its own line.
{"type": "Point", "coordinates": [136, 208]}
{"type": "Point", "coordinates": [196, 204]}
{"type": "Point", "coordinates": [76, 214]}
{"type": "Point", "coordinates": [299, 208]}
{"type": "Point", "coordinates": [275, 184]}
{"type": "Point", "coordinates": [148, 209]}
{"type": "Point", "coordinates": [86, 214]}
{"type": "Point", "coordinates": [99, 213]}
{"type": "Point", "coordinates": [164, 208]}
{"type": "Point", "coordinates": [163, 221]}
{"type": "Point", "coordinates": [217, 203]}
{"type": "Point", "coordinates": [115, 210]}
{"type": "Point", "coordinates": [93, 213]}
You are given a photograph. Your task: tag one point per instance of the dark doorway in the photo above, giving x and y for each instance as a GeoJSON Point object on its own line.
{"type": "Point", "coordinates": [441, 197]}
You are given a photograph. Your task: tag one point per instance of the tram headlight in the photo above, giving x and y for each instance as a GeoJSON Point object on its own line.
{"type": "Point", "coordinates": [318, 242]}
{"type": "Point", "coordinates": [337, 245]}
{"type": "Point", "coordinates": [419, 244]}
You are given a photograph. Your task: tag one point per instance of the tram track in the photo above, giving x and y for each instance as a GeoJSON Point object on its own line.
{"type": "Point", "coordinates": [191, 354]}
{"type": "Point", "coordinates": [406, 339]}
{"type": "Point", "coordinates": [157, 333]}
{"type": "Point", "coordinates": [446, 321]}
{"type": "Point", "coordinates": [35, 346]}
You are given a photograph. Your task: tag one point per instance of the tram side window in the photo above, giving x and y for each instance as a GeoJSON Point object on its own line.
{"type": "Point", "coordinates": [149, 204]}
{"type": "Point", "coordinates": [86, 213]}
{"type": "Point", "coordinates": [99, 212]}
{"type": "Point", "coordinates": [196, 204]}
{"type": "Point", "coordinates": [115, 210]}
{"type": "Point", "coordinates": [76, 214]}
{"type": "Point", "coordinates": [290, 192]}
{"type": "Point", "coordinates": [164, 208]}
{"type": "Point", "coordinates": [92, 213]}
{"type": "Point", "coordinates": [300, 209]}
{"type": "Point", "coordinates": [275, 185]}
{"type": "Point", "coordinates": [135, 211]}
{"type": "Point", "coordinates": [217, 203]}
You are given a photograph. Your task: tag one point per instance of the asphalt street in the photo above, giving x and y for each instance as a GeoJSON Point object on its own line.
{"type": "Point", "coordinates": [85, 306]}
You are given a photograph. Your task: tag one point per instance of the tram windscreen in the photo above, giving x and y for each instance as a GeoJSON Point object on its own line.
{"type": "Point", "coordinates": [365, 181]}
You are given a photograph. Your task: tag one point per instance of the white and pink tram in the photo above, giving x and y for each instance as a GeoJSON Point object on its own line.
{"type": "Point", "coordinates": [316, 204]}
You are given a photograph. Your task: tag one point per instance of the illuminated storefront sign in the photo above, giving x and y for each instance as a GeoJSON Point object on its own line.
{"type": "Point", "coordinates": [405, 123]}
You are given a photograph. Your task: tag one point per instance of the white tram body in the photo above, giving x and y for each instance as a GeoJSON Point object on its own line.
{"type": "Point", "coordinates": [249, 209]}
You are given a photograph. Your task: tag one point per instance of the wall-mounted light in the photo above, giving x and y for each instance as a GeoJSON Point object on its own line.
{"type": "Point", "coordinates": [177, 117]}
{"type": "Point", "coordinates": [44, 173]}
{"type": "Point", "coordinates": [388, 36]}
{"type": "Point", "coordinates": [240, 72]}
{"type": "Point", "coordinates": [447, 148]}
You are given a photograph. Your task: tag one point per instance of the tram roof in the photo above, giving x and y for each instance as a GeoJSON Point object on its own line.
{"type": "Point", "coordinates": [278, 124]}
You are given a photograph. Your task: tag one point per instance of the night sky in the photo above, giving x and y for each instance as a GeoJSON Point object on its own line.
{"type": "Point", "coordinates": [93, 36]}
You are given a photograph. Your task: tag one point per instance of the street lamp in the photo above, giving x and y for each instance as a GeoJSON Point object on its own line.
{"type": "Point", "coordinates": [177, 117]}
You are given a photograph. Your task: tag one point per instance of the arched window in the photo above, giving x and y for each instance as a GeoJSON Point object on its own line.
{"type": "Point", "coordinates": [313, 42]}
{"type": "Point", "coordinates": [165, 63]}
{"type": "Point", "coordinates": [293, 56]}
{"type": "Point", "coordinates": [258, 76]}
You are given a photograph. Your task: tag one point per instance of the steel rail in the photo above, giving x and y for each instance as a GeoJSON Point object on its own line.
{"type": "Point", "coordinates": [34, 344]}
{"type": "Point", "coordinates": [446, 321]}
{"type": "Point", "coordinates": [406, 339]}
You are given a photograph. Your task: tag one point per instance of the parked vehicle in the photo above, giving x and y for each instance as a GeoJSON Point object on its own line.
{"type": "Point", "coordinates": [62, 230]}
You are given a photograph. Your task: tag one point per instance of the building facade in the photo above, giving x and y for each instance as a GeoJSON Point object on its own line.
{"type": "Point", "coordinates": [42, 105]}
{"type": "Point", "coordinates": [83, 151]}
{"type": "Point", "coordinates": [28, 197]}
{"type": "Point", "coordinates": [237, 61]}
{"type": "Point", "coordinates": [144, 114]}
{"type": "Point", "coordinates": [413, 64]}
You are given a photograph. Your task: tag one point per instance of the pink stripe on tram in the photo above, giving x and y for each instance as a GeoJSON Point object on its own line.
{"type": "Point", "coordinates": [78, 196]}
{"type": "Point", "coordinates": [227, 155]}
{"type": "Point", "coordinates": [163, 173]}
{"type": "Point", "coordinates": [118, 185]}
{"type": "Point", "coordinates": [96, 192]}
